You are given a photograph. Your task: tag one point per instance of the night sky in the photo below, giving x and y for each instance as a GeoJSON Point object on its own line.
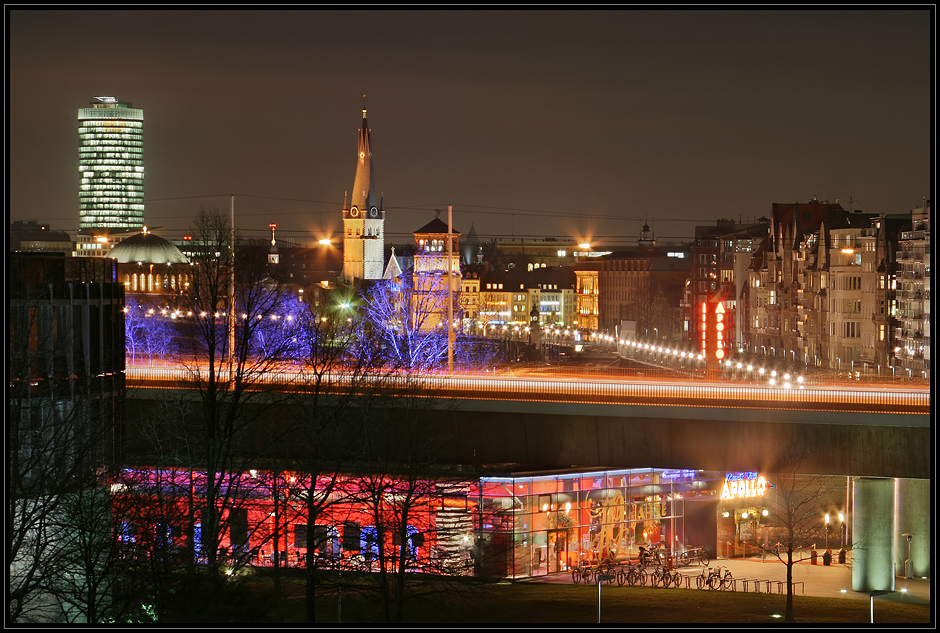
{"type": "Point", "coordinates": [530, 123]}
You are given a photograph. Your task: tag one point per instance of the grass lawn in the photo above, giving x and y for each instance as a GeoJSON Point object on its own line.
{"type": "Point", "coordinates": [540, 603]}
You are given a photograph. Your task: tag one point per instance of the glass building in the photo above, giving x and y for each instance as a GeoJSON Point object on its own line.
{"type": "Point", "coordinates": [111, 167]}
{"type": "Point", "coordinates": [542, 523]}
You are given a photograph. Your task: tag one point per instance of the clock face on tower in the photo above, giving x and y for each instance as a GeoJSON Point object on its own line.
{"type": "Point", "coordinates": [354, 212]}
{"type": "Point", "coordinates": [373, 212]}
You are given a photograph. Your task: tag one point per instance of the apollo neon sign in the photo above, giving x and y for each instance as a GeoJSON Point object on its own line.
{"type": "Point", "coordinates": [744, 486]}
{"type": "Point", "coordinates": [717, 328]}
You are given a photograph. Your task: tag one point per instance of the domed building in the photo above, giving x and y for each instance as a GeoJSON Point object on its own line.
{"type": "Point", "coordinates": [148, 263]}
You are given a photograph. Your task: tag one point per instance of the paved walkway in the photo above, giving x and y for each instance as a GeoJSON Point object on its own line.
{"type": "Point", "coordinates": [832, 581]}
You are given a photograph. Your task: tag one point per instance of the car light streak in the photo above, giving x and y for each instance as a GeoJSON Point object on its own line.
{"type": "Point", "coordinates": [672, 393]}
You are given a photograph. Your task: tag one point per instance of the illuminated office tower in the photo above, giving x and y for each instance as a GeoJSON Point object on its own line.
{"type": "Point", "coordinates": [111, 167]}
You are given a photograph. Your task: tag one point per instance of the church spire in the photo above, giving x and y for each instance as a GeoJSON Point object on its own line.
{"type": "Point", "coordinates": [363, 193]}
{"type": "Point", "coordinates": [363, 221]}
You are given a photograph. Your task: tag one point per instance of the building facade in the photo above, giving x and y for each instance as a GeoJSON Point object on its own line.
{"type": "Point", "coordinates": [29, 236]}
{"type": "Point", "coordinates": [363, 217]}
{"type": "Point", "coordinates": [67, 357]}
{"type": "Point", "coordinates": [772, 292]}
{"type": "Point", "coordinates": [720, 257]}
{"type": "Point", "coordinates": [434, 262]}
{"type": "Point", "coordinates": [111, 170]}
{"type": "Point", "coordinates": [912, 332]}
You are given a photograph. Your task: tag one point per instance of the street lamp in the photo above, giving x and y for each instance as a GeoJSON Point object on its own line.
{"type": "Point", "coordinates": [842, 538]}
{"type": "Point", "coordinates": [827, 531]}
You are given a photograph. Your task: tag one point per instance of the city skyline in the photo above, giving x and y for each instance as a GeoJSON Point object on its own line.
{"type": "Point", "coordinates": [530, 123]}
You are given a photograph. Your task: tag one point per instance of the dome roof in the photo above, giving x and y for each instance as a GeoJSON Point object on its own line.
{"type": "Point", "coordinates": [149, 249]}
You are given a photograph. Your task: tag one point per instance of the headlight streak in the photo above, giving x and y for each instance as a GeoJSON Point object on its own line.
{"type": "Point", "coordinates": [587, 391]}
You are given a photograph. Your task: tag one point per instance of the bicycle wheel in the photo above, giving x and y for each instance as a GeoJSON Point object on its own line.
{"type": "Point", "coordinates": [643, 577]}
{"type": "Point", "coordinates": [713, 582]}
{"type": "Point", "coordinates": [703, 558]}
{"type": "Point", "coordinates": [621, 577]}
{"type": "Point", "coordinates": [684, 558]}
{"type": "Point", "coordinates": [676, 579]}
{"type": "Point", "coordinates": [699, 581]}
{"type": "Point", "coordinates": [632, 577]}
{"type": "Point", "coordinates": [576, 575]}
{"type": "Point", "coordinates": [727, 583]}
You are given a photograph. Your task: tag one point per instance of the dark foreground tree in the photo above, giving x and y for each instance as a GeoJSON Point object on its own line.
{"type": "Point", "coordinates": [65, 391]}
{"type": "Point", "coordinates": [239, 329]}
{"type": "Point", "coordinates": [795, 503]}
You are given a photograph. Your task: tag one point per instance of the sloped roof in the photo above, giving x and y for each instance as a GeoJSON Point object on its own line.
{"type": "Point", "coordinates": [393, 269]}
{"type": "Point", "coordinates": [436, 226]}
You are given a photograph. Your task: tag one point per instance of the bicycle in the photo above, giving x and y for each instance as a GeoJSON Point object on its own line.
{"type": "Point", "coordinates": [605, 569]}
{"type": "Point", "coordinates": [727, 581]}
{"type": "Point", "coordinates": [694, 555]}
{"type": "Point", "coordinates": [664, 577]}
{"type": "Point", "coordinates": [704, 580]}
{"type": "Point", "coordinates": [714, 579]}
{"type": "Point", "coordinates": [631, 575]}
{"type": "Point", "coordinates": [579, 573]}
{"type": "Point", "coordinates": [674, 578]}
{"type": "Point", "coordinates": [655, 577]}
{"type": "Point", "coordinates": [655, 555]}
{"type": "Point", "coordinates": [703, 558]}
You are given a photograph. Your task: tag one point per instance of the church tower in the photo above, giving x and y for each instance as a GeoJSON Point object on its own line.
{"type": "Point", "coordinates": [363, 219]}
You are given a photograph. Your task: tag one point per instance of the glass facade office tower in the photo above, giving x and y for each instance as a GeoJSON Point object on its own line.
{"type": "Point", "coordinates": [110, 162]}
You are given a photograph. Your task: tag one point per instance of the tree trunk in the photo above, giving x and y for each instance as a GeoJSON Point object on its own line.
{"type": "Point", "coordinates": [788, 617]}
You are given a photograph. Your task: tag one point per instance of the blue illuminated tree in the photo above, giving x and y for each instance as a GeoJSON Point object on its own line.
{"type": "Point", "coordinates": [148, 333]}
{"type": "Point", "coordinates": [408, 325]}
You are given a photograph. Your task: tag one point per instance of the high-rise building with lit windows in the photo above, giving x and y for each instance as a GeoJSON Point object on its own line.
{"type": "Point", "coordinates": [111, 169]}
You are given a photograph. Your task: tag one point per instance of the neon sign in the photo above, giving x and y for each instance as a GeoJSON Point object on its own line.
{"type": "Point", "coordinates": [744, 486]}
{"type": "Point", "coordinates": [719, 330]}
{"type": "Point", "coordinates": [704, 328]}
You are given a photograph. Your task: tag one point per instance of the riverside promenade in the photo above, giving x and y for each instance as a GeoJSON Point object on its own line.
{"type": "Point", "coordinates": [827, 581]}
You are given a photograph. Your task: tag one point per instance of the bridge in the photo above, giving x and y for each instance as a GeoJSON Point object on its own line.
{"type": "Point", "coordinates": [586, 420]}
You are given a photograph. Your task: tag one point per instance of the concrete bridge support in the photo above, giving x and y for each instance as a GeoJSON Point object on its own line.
{"type": "Point", "coordinates": [913, 517]}
{"type": "Point", "coordinates": [873, 551]}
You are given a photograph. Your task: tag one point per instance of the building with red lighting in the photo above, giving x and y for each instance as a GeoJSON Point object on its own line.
{"type": "Point", "coordinates": [517, 525]}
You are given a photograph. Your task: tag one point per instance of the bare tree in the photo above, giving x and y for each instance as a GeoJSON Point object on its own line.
{"type": "Point", "coordinates": [402, 488]}
{"type": "Point", "coordinates": [652, 312]}
{"type": "Point", "coordinates": [148, 334]}
{"type": "Point", "coordinates": [234, 340]}
{"type": "Point", "coordinates": [63, 422]}
{"type": "Point", "coordinates": [409, 322]}
{"type": "Point", "coordinates": [794, 504]}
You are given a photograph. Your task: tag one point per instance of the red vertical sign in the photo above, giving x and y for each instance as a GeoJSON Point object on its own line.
{"type": "Point", "coordinates": [719, 331]}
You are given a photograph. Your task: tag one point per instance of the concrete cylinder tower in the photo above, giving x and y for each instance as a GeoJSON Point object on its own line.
{"type": "Point", "coordinates": [913, 517]}
{"type": "Point", "coordinates": [873, 547]}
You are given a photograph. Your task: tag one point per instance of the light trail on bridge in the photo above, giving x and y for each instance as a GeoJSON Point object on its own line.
{"type": "Point", "coordinates": [648, 391]}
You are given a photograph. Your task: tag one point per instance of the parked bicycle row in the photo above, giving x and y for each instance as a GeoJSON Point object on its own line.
{"type": "Point", "coordinates": [634, 573]}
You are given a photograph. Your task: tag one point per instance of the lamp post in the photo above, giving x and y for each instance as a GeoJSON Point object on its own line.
{"type": "Point", "coordinates": [827, 531]}
{"type": "Point", "coordinates": [842, 538]}
{"type": "Point", "coordinates": [871, 598]}
{"type": "Point", "coordinates": [601, 579]}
